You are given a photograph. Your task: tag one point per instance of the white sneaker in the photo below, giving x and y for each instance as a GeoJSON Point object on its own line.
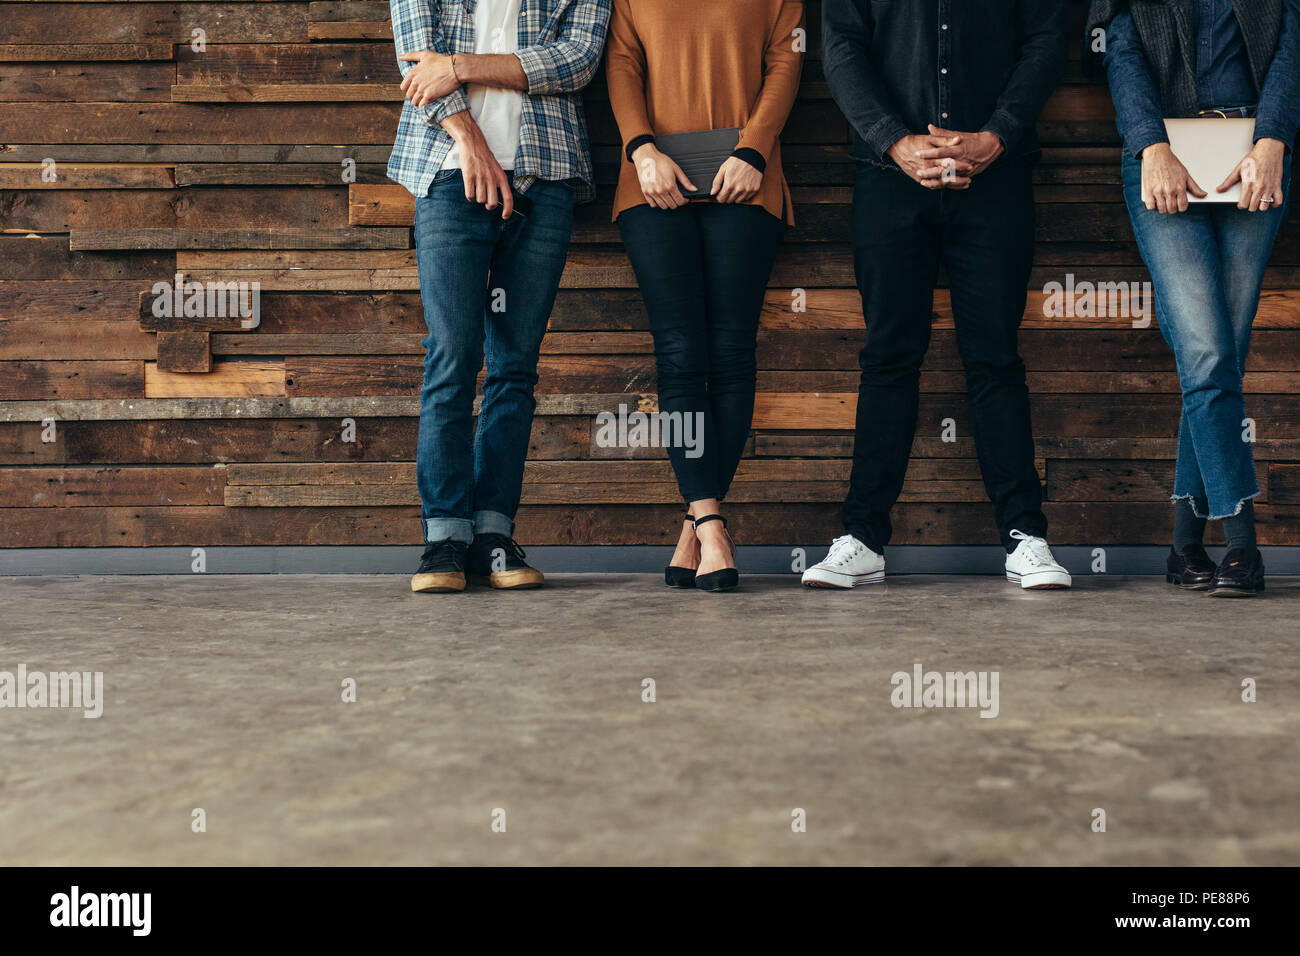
{"type": "Point", "coordinates": [849, 564]}
{"type": "Point", "coordinates": [1032, 566]}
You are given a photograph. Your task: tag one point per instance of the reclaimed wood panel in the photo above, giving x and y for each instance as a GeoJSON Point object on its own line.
{"type": "Point", "coordinates": [261, 158]}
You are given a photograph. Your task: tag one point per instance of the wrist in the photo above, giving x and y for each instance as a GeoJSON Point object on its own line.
{"type": "Point", "coordinates": [1155, 149]}
{"type": "Point", "coordinates": [643, 152]}
{"type": "Point", "coordinates": [461, 127]}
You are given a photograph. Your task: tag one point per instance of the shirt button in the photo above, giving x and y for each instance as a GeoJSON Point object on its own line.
{"type": "Point", "coordinates": [944, 70]}
{"type": "Point", "coordinates": [944, 115]}
{"type": "Point", "coordinates": [944, 27]}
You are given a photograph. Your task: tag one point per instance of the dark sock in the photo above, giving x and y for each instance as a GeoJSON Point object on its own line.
{"type": "Point", "coordinates": [1188, 529]}
{"type": "Point", "coordinates": [1240, 528]}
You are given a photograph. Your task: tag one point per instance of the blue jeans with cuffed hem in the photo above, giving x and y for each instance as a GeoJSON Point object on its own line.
{"type": "Point", "coordinates": [488, 287]}
{"type": "Point", "coordinates": [1207, 268]}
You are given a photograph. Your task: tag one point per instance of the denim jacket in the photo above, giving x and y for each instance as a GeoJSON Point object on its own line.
{"type": "Point", "coordinates": [1142, 103]}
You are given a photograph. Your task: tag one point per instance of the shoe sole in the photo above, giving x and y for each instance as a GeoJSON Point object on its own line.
{"type": "Point", "coordinates": [1186, 587]}
{"type": "Point", "coordinates": [1234, 593]}
{"type": "Point", "coordinates": [521, 580]}
{"type": "Point", "coordinates": [851, 581]}
{"type": "Point", "coordinates": [1057, 585]}
{"type": "Point", "coordinates": [440, 583]}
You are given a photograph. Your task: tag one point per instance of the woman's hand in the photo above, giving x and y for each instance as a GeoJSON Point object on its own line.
{"type": "Point", "coordinates": [1260, 175]}
{"type": "Point", "coordinates": [1166, 181]}
{"type": "Point", "coordinates": [737, 181]}
{"type": "Point", "coordinates": [660, 178]}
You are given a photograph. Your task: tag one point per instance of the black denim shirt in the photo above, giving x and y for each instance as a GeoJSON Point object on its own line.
{"type": "Point", "coordinates": [968, 65]}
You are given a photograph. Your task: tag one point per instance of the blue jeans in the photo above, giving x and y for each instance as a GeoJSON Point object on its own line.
{"type": "Point", "coordinates": [486, 285]}
{"type": "Point", "coordinates": [1207, 267]}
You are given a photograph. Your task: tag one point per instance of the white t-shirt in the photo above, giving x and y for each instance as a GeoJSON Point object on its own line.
{"type": "Point", "coordinates": [496, 30]}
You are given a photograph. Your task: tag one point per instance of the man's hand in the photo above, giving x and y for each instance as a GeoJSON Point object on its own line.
{"type": "Point", "coordinates": [432, 77]}
{"type": "Point", "coordinates": [737, 181]}
{"type": "Point", "coordinates": [1166, 181]}
{"type": "Point", "coordinates": [485, 180]}
{"type": "Point", "coordinates": [930, 173]}
{"type": "Point", "coordinates": [660, 177]}
{"type": "Point", "coordinates": [1260, 175]}
{"type": "Point", "coordinates": [971, 153]}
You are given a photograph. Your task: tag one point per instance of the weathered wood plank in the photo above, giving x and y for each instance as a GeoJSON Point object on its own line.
{"type": "Point", "coordinates": [85, 82]}
{"type": "Point", "coordinates": [100, 487]}
{"type": "Point", "coordinates": [77, 52]}
{"type": "Point", "coordinates": [84, 176]}
{"type": "Point", "coordinates": [227, 379]}
{"type": "Point", "coordinates": [186, 239]}
{"type": "Point", "coordinates": [188, 351]}
{"type": "Point", "coordinates": [188, 123]}
{"type": "Point", "coordinates": [277, 174]}
{"type": "Point", "coordinates": [69, 339]}
{"type": "Point", "coordinates": [1122, 480]}
{"type": "Point", "coordinates": [40, 24]}
{"type": "Point", "coordinates": [286, 93]}
{"type": "Point", "coordinates": [70, 380]}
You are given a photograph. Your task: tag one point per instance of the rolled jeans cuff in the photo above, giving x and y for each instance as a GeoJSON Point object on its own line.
{"type": "Point", "coordinates": [442, 529]}
{"type": "Point", "coordinates": [493, 522]}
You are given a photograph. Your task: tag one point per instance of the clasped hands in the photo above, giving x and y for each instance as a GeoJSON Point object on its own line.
{"type": "Point", "coordinates": [945, 158]}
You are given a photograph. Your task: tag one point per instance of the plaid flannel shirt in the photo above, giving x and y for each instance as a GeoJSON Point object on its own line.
{"type": "Point", "coordinates": [560, 44]}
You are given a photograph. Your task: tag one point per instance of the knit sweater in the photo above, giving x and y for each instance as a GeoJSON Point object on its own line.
{"type": "Point", "coordinates": [677, 66]}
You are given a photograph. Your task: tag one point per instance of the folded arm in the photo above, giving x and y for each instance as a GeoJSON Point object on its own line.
{"type": "Point", "coordinates": [416, 28]}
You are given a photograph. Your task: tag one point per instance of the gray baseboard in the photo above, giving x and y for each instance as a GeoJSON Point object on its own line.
{"type": "Point", "coordinates": [561, 560]}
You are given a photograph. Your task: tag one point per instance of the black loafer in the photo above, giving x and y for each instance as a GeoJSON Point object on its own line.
{"type": "Point", "coordinates": [1190, 569]}
{"type": "Point", "coordinates": [1240, 575]}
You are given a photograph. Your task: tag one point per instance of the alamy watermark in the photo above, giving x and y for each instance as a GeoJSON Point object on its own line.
{"type": "Point", "coordinates": [651, 430]}
{"type": "Point", "coordinates": [1099, 300]}
{"type": "Point", "coordinates": [56, 689]}
{"type": "Point", "coordinates": [208, 300]}
{"type": "Point", "coordinates": [949, 689]}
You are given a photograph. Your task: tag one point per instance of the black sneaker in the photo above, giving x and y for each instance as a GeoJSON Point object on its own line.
{"type": "Point", "coordinates": [442, 568]}
{"type": "Point", "coordinates": [498, 561]}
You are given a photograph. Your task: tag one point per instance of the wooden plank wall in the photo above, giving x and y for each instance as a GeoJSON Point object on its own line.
{"type": "Point", "coordinates": [227, 164]}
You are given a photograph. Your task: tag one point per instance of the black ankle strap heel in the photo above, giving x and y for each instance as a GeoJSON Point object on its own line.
{"type": "Point", "coordinates": [676, 577]}
{"type": "Point", "coordinates": [724, 579]}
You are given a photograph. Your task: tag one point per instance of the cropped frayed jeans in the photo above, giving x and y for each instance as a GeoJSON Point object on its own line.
{"type": "Point", "coordinates": [487, 286]}
{"type": "Point", "coordinates": [1207, 268]}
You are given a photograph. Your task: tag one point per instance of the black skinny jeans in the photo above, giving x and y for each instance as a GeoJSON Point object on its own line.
{"type": "Point", "coordinates": [984, 236]}
{"type": "Point", "coordinates": [703, 272]}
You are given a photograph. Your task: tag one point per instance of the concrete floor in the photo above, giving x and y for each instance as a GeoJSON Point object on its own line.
{"type": "Point", "coordinates": [224, 693]}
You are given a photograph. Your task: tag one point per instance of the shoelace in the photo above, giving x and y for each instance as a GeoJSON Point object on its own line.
{"type": "Point", "coordinates": [1039, 552]}
{"type": "Point", "coordinates": [843, 550]}
{"type": "Point", "coordinates": [511, 547]}
{"type": "Point", "coordinates": [444, 549]}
